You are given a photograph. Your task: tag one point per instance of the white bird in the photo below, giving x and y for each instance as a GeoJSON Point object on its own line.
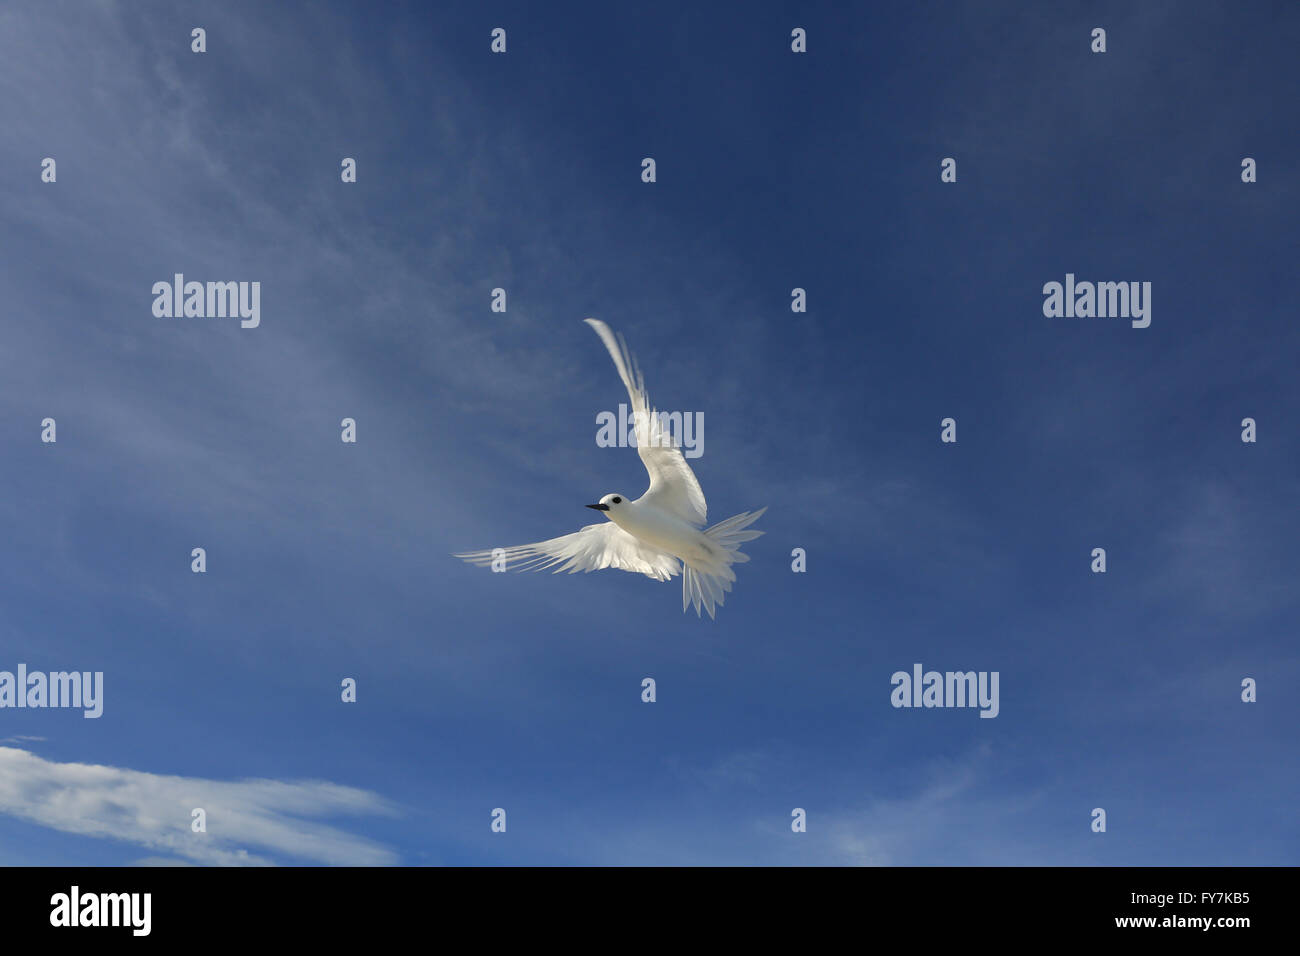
{"type": "Point", "coordinates": [652, 534]}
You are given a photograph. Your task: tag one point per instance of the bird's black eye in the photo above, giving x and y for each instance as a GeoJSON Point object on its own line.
{"type": "Point", "coordinates": [617, 500]}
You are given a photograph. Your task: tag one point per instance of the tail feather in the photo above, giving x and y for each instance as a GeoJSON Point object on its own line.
{"type": "Point", "coordinates": [707, 586]}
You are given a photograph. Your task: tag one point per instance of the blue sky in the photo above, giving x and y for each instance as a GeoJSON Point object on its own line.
{"type": "Point", "coordinates": [476, 429]}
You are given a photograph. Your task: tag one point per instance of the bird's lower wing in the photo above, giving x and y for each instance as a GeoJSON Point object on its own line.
{"type": "Point", "coordinates": [597, 546]}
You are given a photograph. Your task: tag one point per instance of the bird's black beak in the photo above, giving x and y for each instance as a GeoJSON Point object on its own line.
{"type": "Point", "coordinates": [599, 507]}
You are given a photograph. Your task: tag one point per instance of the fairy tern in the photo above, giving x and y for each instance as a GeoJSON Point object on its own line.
{"type": "Point", "coordinates": [659, 534]}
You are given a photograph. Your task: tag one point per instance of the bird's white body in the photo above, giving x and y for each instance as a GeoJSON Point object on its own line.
{"type": "Point", "coordinates": [663, 530]}
{"type": "Point", "coordinates": [653, 533]}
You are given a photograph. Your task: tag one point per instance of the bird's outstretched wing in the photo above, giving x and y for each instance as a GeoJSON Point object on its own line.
{"type": "Point", "coordinates": [597, 546]}
{"type": "Point", "coordinates": [673, 486]}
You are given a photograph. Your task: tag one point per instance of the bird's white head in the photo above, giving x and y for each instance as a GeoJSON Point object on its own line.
{"type": "Point", "coordinates": [610, 504]}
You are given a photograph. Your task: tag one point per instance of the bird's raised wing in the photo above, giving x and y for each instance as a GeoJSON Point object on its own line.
{"type": "Point", "coordinates": [597, 546]}
{"type": "Point", "coordinates": [673, 486]}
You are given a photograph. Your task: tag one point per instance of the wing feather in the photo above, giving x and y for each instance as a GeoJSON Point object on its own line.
{"type": "Point", "coordinates": [673, 485]}
{"type": "Point", "coordinates": [597, 546]}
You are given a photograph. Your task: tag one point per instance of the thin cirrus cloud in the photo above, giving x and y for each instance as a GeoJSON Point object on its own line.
{"type": "Point", "coordinates": [154, 811]}
{"type": "Point", "coordinates": [950, 817]}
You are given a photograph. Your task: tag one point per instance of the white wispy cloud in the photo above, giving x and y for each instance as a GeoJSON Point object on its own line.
{"type": "Point", "coordinates": [956, 811]}
{"type": "Point", "coordinates": [949, 819]}
{"type": "Point", "coordinates": [154, 811]}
